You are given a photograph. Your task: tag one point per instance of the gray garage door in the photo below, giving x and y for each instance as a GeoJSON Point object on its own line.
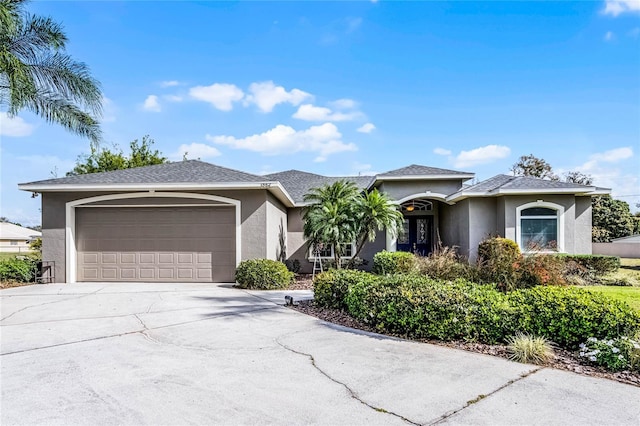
{"type": "Point", "coordinates": [188, 244]}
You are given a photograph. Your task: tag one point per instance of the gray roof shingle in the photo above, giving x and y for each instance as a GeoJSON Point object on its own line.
{"type": "Point", "coordinates": [298, 183]}
{"type": "Point", "coordinates": [190, 171]}
{"type": "Point", "coordinates": [418, 170]}
{"type": "Point", "coordinates": [518, 183]}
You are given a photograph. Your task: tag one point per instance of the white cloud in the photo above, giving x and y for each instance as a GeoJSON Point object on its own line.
{"type": "Point", "coordinates": [109, 110]}
{"type": "Point", "coordinates": [151, 104]}
{"type": "Point", "coordinates": [353, 24]}
{"type": "Point", "coordinates": [220, 95]}
{"type": "Point", "coordinates": [173, 98]}
{"type": "Point", "coordinates": [56, 166]}
{"type": "Point", "coordinates": [169, 83]}
{"type": "Point", "coordinates": [482, 155]}
{"type": "Point", "coordinates": [14, 126]}
{"type": "Point", "coordinates": [617, 7]}
{"type": "Point", "coordinates": [362, 169]}
{"type": "Point", "coordinates": [344, 104]}
{"type": "Point", "coordinates": [366, 128]}
{"type": "Point", "coordinates": [195, 150]}
{"type": "Point", "coordinates": [266, 95]}
{"type": "Point", "coordinates": [310, 112]}
{"type": "Point", "coordinates": [324, 140]}
{"type": "Point", "coordinates": [614, 155]}
{"type": "Point", "coordinates": [609, 36]}
{"type": "Point", "coordinates": [442, 151]}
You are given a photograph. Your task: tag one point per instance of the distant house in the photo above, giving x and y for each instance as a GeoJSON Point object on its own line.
{"type": "Point", "coordinates": [630, 239]}
{"type": "Point", "coordinates": [191, 221]}
{"type": "Point", "coordinates": [15, 238]}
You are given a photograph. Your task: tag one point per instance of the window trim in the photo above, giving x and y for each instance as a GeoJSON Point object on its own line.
{"type": "Point", "coordinates": [559, 220]}
{"type": "Point", "coordinates": [311, 256]}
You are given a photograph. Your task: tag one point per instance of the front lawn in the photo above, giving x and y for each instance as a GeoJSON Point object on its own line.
{"type": "Point", "coordinates": [631, 295]}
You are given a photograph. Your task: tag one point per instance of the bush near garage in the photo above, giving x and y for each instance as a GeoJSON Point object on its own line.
{"type": "Point", "coordinates": [20, 269]}
{"type": "Point", "coordinates": [263, 274]}
{"type": "Point", "coordinates": [394, 262]}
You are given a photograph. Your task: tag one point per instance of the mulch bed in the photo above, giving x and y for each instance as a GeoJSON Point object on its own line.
{"type": "Point", "coordinates": [302, 282]}
{"type": "Point", "coordinates": [563, 359]}
{"type": "Point", "coordinates": [10, 284]}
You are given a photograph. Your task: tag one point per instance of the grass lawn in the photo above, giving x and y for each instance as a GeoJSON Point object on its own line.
{"type": "Point", "coordinates": [629, 271]}
{"type": "Point", "coordinates": [631, 295]}
{"type": "Point", "coordinates": [4, 256]}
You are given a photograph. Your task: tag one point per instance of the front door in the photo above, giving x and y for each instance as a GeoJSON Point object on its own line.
{"type": "Point", "coordinates": [416, 237]}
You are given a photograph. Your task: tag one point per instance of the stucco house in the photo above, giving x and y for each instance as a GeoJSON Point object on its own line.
{"type": "Point", "coordinates": [192, 221]}
{"type": "Point", "coordinates": [15, 238]}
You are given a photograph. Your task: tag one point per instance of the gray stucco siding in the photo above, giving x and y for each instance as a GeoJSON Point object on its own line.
{"type": "Point", "coordinates": [482, 223]}
{"type": "Point", "coordinates": [276, 228]}
{"type": "Point", "coordinates": [576, 218]}
{"type": "Point", "coordinates": [253, 221]}
{"type": "Point", "coordinates": [402, 189]}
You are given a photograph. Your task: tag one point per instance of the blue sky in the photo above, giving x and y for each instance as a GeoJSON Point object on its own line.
{"type": "Point", "coordinates": [343, 88]}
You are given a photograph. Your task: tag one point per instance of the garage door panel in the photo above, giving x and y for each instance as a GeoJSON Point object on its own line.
{"type": "Point", "coordinates": [156, 244]}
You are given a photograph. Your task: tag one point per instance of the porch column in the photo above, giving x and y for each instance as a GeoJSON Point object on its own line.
{"type": "Point", "coordinates": [391, 241]}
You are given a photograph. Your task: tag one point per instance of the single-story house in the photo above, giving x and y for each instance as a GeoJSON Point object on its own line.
{"type": "Point", "coordinates": [195, 221]}
{"type": "Point", "coordinates": [15, 238]}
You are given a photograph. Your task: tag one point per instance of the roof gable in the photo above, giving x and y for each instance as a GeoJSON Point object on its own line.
{"type": "Point", "coordinates": [11, 231]}
{"type": "Point", "coordinates": [418, 170]}
{"type": "Point", "coordinates": [299, 183]}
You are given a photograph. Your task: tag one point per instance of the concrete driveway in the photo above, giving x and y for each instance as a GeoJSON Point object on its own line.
{"type": "Point", "coordinates": [209, 354]}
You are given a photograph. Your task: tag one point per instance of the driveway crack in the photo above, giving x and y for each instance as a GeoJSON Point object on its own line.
{"type": "Point", "coordinates": [484, 396]}
{"type": "Point", "coordinates": [351, 392]}
{"type": "Point", "coordinates": [49, 303]}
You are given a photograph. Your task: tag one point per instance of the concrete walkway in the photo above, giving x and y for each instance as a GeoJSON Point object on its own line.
{"type": "Point", "coordinates": [210, 354]}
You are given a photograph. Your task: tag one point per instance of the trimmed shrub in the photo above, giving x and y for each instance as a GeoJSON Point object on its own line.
{"type": "Point", "coordinates": [568, 315]}
{"type": "Point", "coordinates": [263, 274]}
{"type": "Point", "coordinates": [598, 264]}
{"type": "Point", "coordinates": [387, 262]}
{"type": "Point", "coordinates": [293, 265]}
{"type": "Point", "coordinates": [330, 288]}
{"type": "Point", "coordinates": [529, 349]}
{"type": "Point", "coordinates": [18, 269]}
{"type": "Point", "coordinates": [421, 307]}
{"type": "Point", "coordinates": [497, 261]}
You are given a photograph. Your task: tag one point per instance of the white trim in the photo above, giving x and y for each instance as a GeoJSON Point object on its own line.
{"type": "Point", "coordinates": [560, 218]}
{"type": "Point", "coordinates": [587, 191]}
{"type": "Point", "coordinates": [379, 178]}
{"type": "Point", "coordinates": [428, 194]}
{"type": "Point", "coordinates": [273, 186]}
{"type": "Point", "coordinates": [71, 251]}
{"type": "Point", "coordinates": [154, 205]}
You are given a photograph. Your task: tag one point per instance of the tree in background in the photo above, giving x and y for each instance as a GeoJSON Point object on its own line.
{"type": "Point", "coordinates": [578, 177]}
{"type": "Point", "coordinates": [530, 165]}
{"type": "Point", "coordinates": [611, 219]}
{"type": "Point", "coordinates": [104, 160]}
{"type": "Point", "coordinates": [37, 75]}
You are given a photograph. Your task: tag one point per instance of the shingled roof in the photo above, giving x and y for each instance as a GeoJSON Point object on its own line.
{"type": "Point", "coordinates": [513, 184]}
{"type": "Point", "coordinates": [418, 170]}
{"type": "Point", "coordinates": [298, 183]}
{"type": "Point", "coordinates": [190, 171]}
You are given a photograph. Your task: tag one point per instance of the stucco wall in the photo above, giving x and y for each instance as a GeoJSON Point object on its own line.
{"type": "Point", "coordinates": [454, 231]}
{"type": "Point", "coordinates": [577, 219]}
{"type": "Point", "coordinates": [482, 223]}
{"type": "Point", "coordinates": [276, 228]}
{"type": "Point", "coordinates": [398, 190]}
{"type": "Point", "coordinates": [631, 250]}
{"type": "Point", "coordinates": [253, 219]}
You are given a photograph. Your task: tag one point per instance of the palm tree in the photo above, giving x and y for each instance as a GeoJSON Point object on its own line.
{"type": "Point", "coordinates": [37, 75]}
{"type": "Point", "coordinates": [330, 218]}
{"type": "Point", "coordinates": [375, 212]}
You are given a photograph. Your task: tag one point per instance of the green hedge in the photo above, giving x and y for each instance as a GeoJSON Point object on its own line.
{"type": "Point", "coordinates": [263, 274]}
{"type": "Point", "coordinates": [599, 264]}
{"type": "Point", "coordinates": [388, 262]}
{"type": "Point", "coordinates": [330, 288]}
{"type": "Point", "coordinates": [420, 307]}
{"type": "Point", "coordinates": [569, 315]}
{"type": "Point", "coordinates": [14, 269]}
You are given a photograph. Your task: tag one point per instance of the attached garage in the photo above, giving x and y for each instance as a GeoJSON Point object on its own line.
{"type": "Point", "coordinates": [179, 244]}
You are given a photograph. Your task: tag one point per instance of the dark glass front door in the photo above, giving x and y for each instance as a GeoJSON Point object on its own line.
{"type": "Point", "coordinates": [417, 235]}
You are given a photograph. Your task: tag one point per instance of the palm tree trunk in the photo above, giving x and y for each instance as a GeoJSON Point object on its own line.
{"type": "Point", "coordinates": [359, 248]}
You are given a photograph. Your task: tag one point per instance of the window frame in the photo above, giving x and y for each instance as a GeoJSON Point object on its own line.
{"type": "Point", "coordinates": [311, 256]}
{"type": "Point", "coordinates": [559, 225]}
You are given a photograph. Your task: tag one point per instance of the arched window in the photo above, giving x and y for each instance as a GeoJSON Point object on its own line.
{"type": "Point", "coordinates": [540, 227]}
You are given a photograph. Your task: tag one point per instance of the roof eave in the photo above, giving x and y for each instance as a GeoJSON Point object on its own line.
{"type": "Point", "coordinates": [589, 191]}
{"type": "Point", "coordinates": [275, 187]}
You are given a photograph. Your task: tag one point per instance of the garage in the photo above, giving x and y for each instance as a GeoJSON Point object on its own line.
{"type": "Point", "coordinates": [156, 244]}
